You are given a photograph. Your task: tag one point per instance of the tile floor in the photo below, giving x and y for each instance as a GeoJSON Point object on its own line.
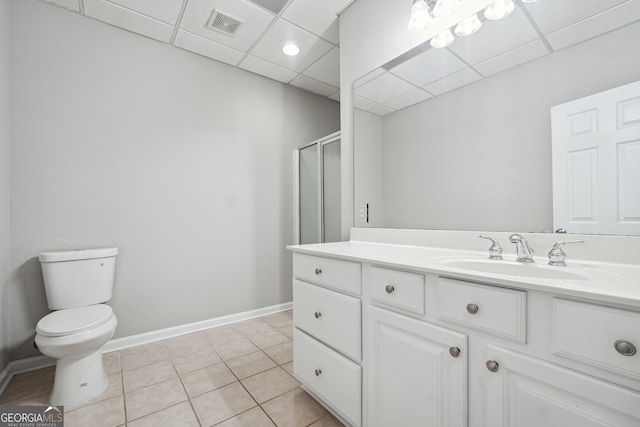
{"type": "Point", "coordinates": [229, 376]}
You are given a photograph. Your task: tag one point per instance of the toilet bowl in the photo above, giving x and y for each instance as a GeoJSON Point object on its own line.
{"type": "Point", "coordinates": [77, 284]}
{"type": "Point", "coordinates": [75, 337]}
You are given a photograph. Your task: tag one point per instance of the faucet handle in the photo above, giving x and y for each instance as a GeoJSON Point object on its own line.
{"type": "Point", "coordinates": [495, 251]}
{"type": "Point", "coordinates": [557, 256]}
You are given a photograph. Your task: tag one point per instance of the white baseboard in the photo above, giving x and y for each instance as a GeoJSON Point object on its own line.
{"type": "Point", "coordinates": [38, 362]}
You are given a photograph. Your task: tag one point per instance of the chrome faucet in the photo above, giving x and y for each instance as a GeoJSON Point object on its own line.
{"type": "Point", "coordinates": [523, 250]}
{"type": "Point", "coordinates": [557, 256]}
{"type": "Point", "coordinates": [495, 251]}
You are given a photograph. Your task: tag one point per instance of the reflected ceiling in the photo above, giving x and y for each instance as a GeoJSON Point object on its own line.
{"type": "Point", "coordinates": [530, 32]}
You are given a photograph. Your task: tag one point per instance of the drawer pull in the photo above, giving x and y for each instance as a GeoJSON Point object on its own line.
{"type": "Point", "coordinates": [454, 351]}
{"type": "Point", "coordinates": [318, 271]}
{"type": "Point", "coordinates": [492, 365]}
{"type": "Point", "coordinates": [472, 308]}
{"type": "Point", "coordinates": [625, 348]}
{"type": "Point", "coordinates": [389, 289]}
{"type": "Point", "coordinates": [318, 372]}
{"type": "Point", "coordinates": [317, 314]}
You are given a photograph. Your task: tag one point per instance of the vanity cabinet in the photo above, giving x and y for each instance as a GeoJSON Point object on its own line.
{"type": "Point", "coordinates": [386, 345]}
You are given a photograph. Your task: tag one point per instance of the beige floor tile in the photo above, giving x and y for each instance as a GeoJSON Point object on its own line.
{"type": "Point", "coordinates": [187, 344]}
{"type": "Point", "coordinates": [250, 364]}
{"type": "Point", "coordinates": [281, 353]}
{"type": "Point", "coordinates": [143, 376]}
{"type": "Point", "coordinates": [222, 333]}
{"type": "Point", "coordinates": [111, 362]}
{"type": "Point", "coordinates": [207, 379]}
{"type": "Point", "coordinates": [269, 384]}
{"type": "Point", "coordinates": [29, 384]}
{"type": "Point", "coordinates": [233, 349]}
{"type": "Point", "coordinates": [108, 413]}
{"type": "Point", "coordinates": [136, 357]}
{"type": "Point", "coordinates": [153, 398]}
{"type": "Point", "coordinates": [327, 421]}
{"type": "Point", "coordinates": [269, 339]}
{"type": "Point", "coordinates": [254, 417]}
{"type": "Point", "coordinates": [180, 415]}
{"type": "Point", "coordinates": [280, 320]}
{"type": "Point", "coordinates": [195, 361]}
{"type": "Point", "coordinates": [288, 331]}
{"type": "Point", "coordinates": [288, 367]}
{"type": "Point", "coordinates": [222, 404]}
{"type": "Point", "coordinates": [293, 409]}
{"type": "Point", "coordinates": [114, 388]}
{"type": "Point", "coordinates": [253, 327]}
{"type": "Point", "coordinates": [38, 400]}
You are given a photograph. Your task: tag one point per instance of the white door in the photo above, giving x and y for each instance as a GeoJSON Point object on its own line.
{"type": "Point", "coordinates": [417, 373]}
{"type": "Point", "coordinates": [527, 392]}
{"type": "Point", "coordinates": [596, 163]}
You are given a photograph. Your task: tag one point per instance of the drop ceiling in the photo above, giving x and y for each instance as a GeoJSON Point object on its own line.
{"type": "Point", "coordinates": [262, 27]}
{"type": "Point", "coordinates": [532, 31]}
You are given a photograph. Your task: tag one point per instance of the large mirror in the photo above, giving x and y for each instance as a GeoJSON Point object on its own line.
{"type": "Point", "coordinates": [460, 137]}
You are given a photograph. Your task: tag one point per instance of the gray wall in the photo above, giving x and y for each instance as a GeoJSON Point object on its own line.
{"type": "Point", "coordinates": [479, 158]}
{"type": "Point", "coordinates": [4, 180]}
{"type": "Point", "coordinates": [182, 162]}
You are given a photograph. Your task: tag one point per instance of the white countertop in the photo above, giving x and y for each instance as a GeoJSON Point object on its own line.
{"type": "Point", "coordinates": [610, 282]}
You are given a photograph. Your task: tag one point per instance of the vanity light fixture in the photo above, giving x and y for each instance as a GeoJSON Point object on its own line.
{"type": "Point", "coordinates": [498, 10]}
{"type": "Point", "coordinates": [445, 7]}
{"type": "Point", "coordinates": [442, 39]}
{"type": "Point", "coordinates": [291, 49]}
{"type": "Point", "coordinates": [420, 15]}
{"type": "Point", "coordinates": [468, 26]}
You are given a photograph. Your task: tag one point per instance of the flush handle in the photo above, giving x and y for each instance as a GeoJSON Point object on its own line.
{"type": "Point", "coordinates": [318, 372]}
{"type": "Point", "coordinates": [317, 314]}
{"type": "Point", "coordinates": [472, 308]}
{"type": "Point", "coordinates": [389, 289]}
{"type": "Point", "coordinates": [625, 348]}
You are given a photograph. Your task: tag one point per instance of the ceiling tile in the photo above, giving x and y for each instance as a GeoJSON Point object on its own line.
{"type": "Point", "coordinates": [255, 21]}
{"type": "Point", "coordinates": [67, 4]}
{"type": "Point", "coordinates": [512, 58]}
{"type": "Point", "coordinates": [316, 16]}
{"type": "Point", "coordinates": [327, 69]}
{"type": "Point", "coordinates": [282, 32]}
{"type": "Point", "coordinates": [267, 69]}
{"type": "Point", "coordinates": [384, 88]}
{"type": "Point", "coordinates": [274, 6]}
{"type": "Point", "coordinates": [408, 99]}
{"type": "Point", "coordinates": [166, 10]}
{"type": "Point", "coordinates": [314, 86]}
{"type": "Point", "coordinates": [128, 19]}
{"type": "Point", "coordinates": [596, 25]}
{"type": "Point", "coordinates": [381, 110]}
{"type": "Point", "coordinates": [454, 81]}
{"type": "Point", "coordinates": [362, 103]}
{"type": "Point", "coordinates": [208, 48]}
{"type": "Point", "coordinates": [428, 66]}
{"type": "Point", "coordinates": [368, 77]}
{"type": "Point", "coordinates": [495, 38]}
{"type": "Point", "coordinates": [550, 16]}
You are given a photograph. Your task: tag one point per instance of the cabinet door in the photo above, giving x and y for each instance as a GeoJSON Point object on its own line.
{"type": "Point", "coordinates": [527, 392]}
{"type": "Point", "coordinates": [417, 373]}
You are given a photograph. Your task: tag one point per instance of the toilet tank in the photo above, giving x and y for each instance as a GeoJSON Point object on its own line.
{"type": "Point", "coordinates": [78, 278]}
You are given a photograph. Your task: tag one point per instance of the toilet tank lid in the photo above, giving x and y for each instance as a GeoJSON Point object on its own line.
{"type": "Point", "coordinates": [77, 254]}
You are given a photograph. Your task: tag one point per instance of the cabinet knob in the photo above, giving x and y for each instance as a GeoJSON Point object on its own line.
{"type": "Point", "coordinates": [472, 308]}
{"type": "Point", "coordinates": [492, 365]}
{"type": "Point", "coordinates": [317, 314]}
{"type": "Point", "coordinates": [454, 351]}
{"type": "Point", "coordinates": [318, 372]}
{"type": "Point", "coordinates": [318, 271]}
{"type": "Point", "coordinates": [389, 289]}
{"type": "Point", "coordinates": [625, 348]}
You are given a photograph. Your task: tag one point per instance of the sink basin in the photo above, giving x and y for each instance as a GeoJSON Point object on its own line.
{"type": "Point", "coordinates": [513, 268]}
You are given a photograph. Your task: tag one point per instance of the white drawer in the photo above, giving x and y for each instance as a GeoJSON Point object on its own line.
{"type": "Point", "coordinates": [329, 316]}
{"type": "Point", "coordinates": [334, 378]}
{"type": "Point", "coordinates": [332, 273]}
{"type": "Point", "coordinates": [588, 333]}
{"type": "Point", "coordinates": [498, 311]}
{"type": "Point", "coordinates": [397, 289]}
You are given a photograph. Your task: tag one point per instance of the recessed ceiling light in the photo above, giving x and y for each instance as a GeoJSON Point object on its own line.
{"type": "Point", "coordinates": [291, 49]}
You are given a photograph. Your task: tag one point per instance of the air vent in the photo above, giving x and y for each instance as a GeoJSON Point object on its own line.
{"type": "Point", "coordinates": [224, 23]}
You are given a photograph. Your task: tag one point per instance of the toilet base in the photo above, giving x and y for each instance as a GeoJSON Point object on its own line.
{"type": "Point", "coordinates": [78, 380]}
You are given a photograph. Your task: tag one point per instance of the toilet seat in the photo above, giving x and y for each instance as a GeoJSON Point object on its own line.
{"type": "Point", "coordinates": [73, 320]}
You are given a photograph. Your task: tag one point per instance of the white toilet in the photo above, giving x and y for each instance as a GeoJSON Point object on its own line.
{"type": "Point", "coordinates": [77, 283]}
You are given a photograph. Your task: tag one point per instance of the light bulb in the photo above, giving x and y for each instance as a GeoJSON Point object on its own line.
{"type": "Point", "coordinates": [468, 26]}
{"type": "Point", "coordinates": [291, 49]}
{"type": "Point", "coordinates": [445, 7]}
{"type": "Point", "coordinates": [420, 16]}
{"type": "Point", "coordinates": [442, 39]}
{"type": "Point", "coordinates": [500, 9]}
